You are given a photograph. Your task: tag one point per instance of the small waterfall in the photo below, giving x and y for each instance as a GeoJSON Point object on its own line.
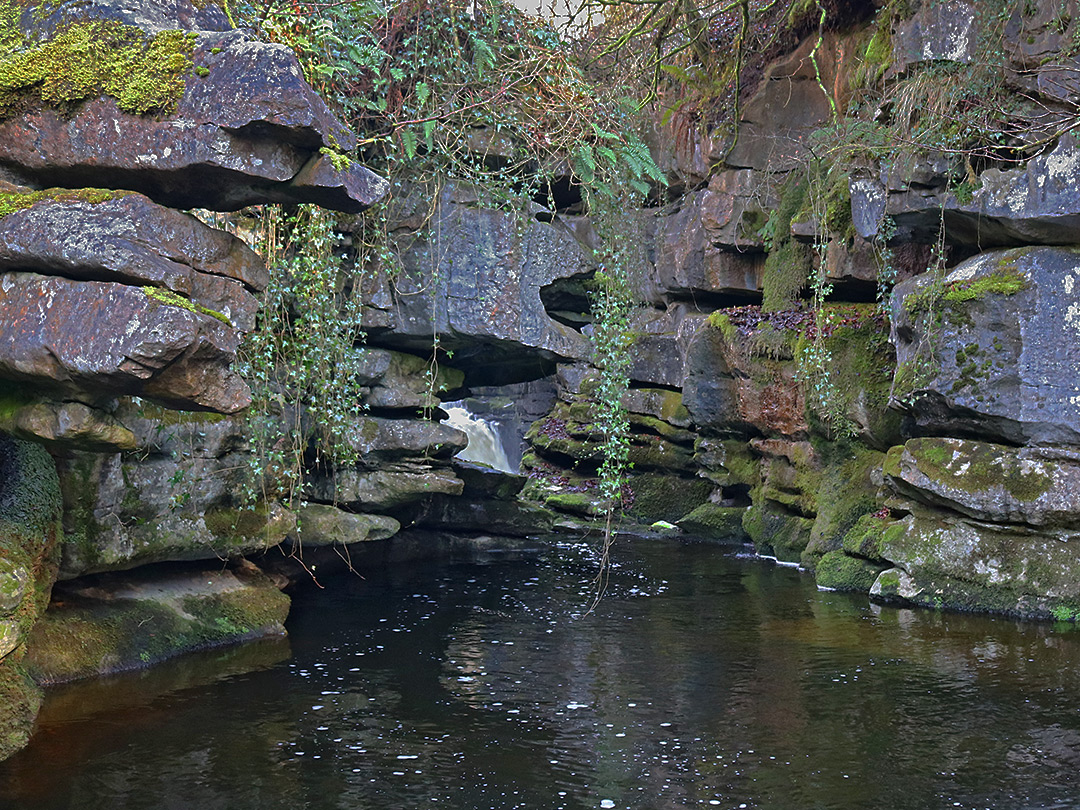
{"type": "Point", "coordinates": [485, 447]}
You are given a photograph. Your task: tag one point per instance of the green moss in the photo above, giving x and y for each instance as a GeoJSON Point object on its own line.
{"type": "Point", "coordinates": [30, 494]}
{"type": "Point", "coordinates": [576, 503]}
{"type": "Point", "coordinates": [89, 59]}
{"type": "Point", "coordinates": [82, 638]}
{"type": "Point", "coordinates": [1000, 282]}
{"type": "Point", "coordinates": [977, 467]}
{"type": "Point", "coordinates": [871, 536]}
{"type": "Point", "coordinates": [237, 526]}
{"type": "Point", "coordinates": [877, 56]}
{"type": "Point", "coordinates": [340, 161]}
{"type": "Point", "coordinates": [12, 201]}
{"type": "Point", "coordinates": [848, 491]}
{"type": "Point", "coordinates": [176, 300]}
{"type": "Point", "coordinates": [202, 71]}
{"type": "Point", "coordinates": [20, 700]}
{"type": "Point", "coordinates": [720, 320]}
{"type": "Point", "coordinates": [787, 267]}
{"type": "Point", "coordinates": [714, 522]}
{"type": "Point", "coordinates": [889, 582]}
{"type": "Point", "coordinates": [666, 497]}
{"type": "Point", "coordinates": [841, 572]}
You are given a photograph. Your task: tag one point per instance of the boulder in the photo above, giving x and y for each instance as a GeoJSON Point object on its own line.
{"type": "Point", "coordinates": [968, 366]}
{"type": "Point", "coordinates": [98, 235]}
{"type": "Point", "coordinates": [989, 482]}
{"type": "Point", "coordinates": [937, 32]}
{"type": "Point", "coordinates": [477, 289]}
{"type": "Point", "coordinates": [96, 337]}
{"type": "Point", "coordinates": [378, 440]}
{"type": "Point", "coordinates": [123, 511]}
{"type": "Point", "coordinates": [391, 487]}
{"type": "Point", "coordinates": [1037, 203]}
{"type": "Point", "coordinates": [729, 392]}
{"type": "Point", "coordinates": [944, 560]}
{"type": "Point", "coordinates": [66, 426]}
{"type": "Point", "coordinates": [30, 534]}
{"type": "Point", "coordinates": [242, 128]}
{"type": "Point", "coordinates": [322, 525]}
{"type": "Point", "coordinates": [117, 622]}
{"type": "Point", "coordinates": [399, 381]}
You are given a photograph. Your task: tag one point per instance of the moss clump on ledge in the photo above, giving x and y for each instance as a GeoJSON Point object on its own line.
{"type": "Point", "coordinates": [1000, 282]}
{"type": "Point", "coordinates": [12, 201]}
{"type": "Point", "coordinates": [176, 300]}
{"type": "Point", "coordinates": [90, 59]}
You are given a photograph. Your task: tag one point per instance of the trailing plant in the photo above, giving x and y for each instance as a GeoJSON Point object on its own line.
{"type": "Point", "coordinates": [447, 92]}
{"type": "Point", "coordinates": [300, 360]}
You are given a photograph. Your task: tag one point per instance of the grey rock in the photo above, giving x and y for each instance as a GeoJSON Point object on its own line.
{"type": "Point", "coordinates": [104, 338]}
{"type": "Point", "coordinates": [248, 131]}
{"type": "Point", "coordinates": [980, 370]}
{"type": "Point", "coordinates": [378, 440]}
{"type": "Point", "coordinates": [386, 489]}
{"type": "Point", "coordinates": [988, 482]}
{"type": "Point", "coordinates": [68, 426]}
{"type": "Point", "coordinates": [938, 32]}
{"type": "Point", "coordinates": [321, 525]}
{"type": "Point", "coordinates": [477, 288]}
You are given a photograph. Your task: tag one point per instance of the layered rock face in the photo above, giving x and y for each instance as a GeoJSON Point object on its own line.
{"type": "Point", "coordinates": [921, 451]}
{"type": "Point", "coordinates": [108, 292]}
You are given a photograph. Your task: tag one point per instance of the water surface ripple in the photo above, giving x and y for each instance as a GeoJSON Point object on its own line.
{"type": "Point", "coordinates": [703, 679]}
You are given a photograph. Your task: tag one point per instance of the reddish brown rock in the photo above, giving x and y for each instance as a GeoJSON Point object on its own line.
{"type": "Point", "coordinates": [104, 338]}
{"type": "Point", "coordinates": [132, 240]}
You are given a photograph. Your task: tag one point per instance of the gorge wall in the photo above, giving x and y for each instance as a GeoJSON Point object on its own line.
{"type": "Point", "coordinates": [864, 365]}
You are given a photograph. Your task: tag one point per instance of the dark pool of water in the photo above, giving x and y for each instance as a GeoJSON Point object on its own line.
{"type": "Point", "coordinates": [701, 680]}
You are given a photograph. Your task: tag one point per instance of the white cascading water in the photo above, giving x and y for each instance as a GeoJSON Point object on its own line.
{"type": "Point", "coordinates": [484, 444]}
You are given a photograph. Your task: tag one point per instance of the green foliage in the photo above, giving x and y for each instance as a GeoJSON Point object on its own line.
{"type": "Point", "coordinates": [479, 92]}
{"type": "Point", "coordinates": [301, 357]}
{"type": "Point", "coordinates": [87, 59]}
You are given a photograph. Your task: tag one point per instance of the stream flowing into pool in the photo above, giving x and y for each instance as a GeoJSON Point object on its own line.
{"type": "Point", "coordinates": [702, 679]}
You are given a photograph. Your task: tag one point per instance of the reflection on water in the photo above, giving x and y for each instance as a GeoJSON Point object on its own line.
{"type": "Point", "coordinates": [700, 681]}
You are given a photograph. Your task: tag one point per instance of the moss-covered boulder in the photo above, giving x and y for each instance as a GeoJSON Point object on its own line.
{"type": "Point", "coordinates": [944, 560]}
{"type": "Point", "coordinates": [840, 571]}
{"type": "Point", "coordinates": [666, 497]}
{"type": "Point", "coordinates": [30, 532]}
{"type": "Point", "coordinates": [126, 510]}
{"type": "Point", "coordinates": [969, 366]}
{"type": "Point", "coordinates": [324, 525]}
{"type": "Point", "coordinates": [1033, 486]}
{"type": "Point", "coordinates": [117, 621]}
{"type": "Point", "coordinates": [715, 522]}
{"type": "Point", "coordinates": [776, 533]}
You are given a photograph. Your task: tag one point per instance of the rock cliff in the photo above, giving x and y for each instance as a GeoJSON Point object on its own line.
{"type": "Point", "coordinates": [863, 363]}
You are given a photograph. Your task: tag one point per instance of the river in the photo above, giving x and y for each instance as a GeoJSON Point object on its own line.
{"type": "Point", "coordinates": [702, 679]}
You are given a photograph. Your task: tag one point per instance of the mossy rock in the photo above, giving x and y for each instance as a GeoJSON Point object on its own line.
{"type": "Point", "coordinates": [84, 60]}
{"type": "Point", "coordinates": [584, 504]}
{"type": "Point", "coordinates": [775, 533]}
{"type": "Point", "coordinates": [849, 488]}
{"type": "Point", "coordinates": [714, 522]}
{"type": "Point", "coordinates": [870, 536]}
{"type": "Point", "coordinates": [666, 497]}
{"type": "Point", "coordinates": [841, 572]}
{"type": "Point", "coordinates": [116, 622]}
{"type": "Point", "coordinates": [20, 701]}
